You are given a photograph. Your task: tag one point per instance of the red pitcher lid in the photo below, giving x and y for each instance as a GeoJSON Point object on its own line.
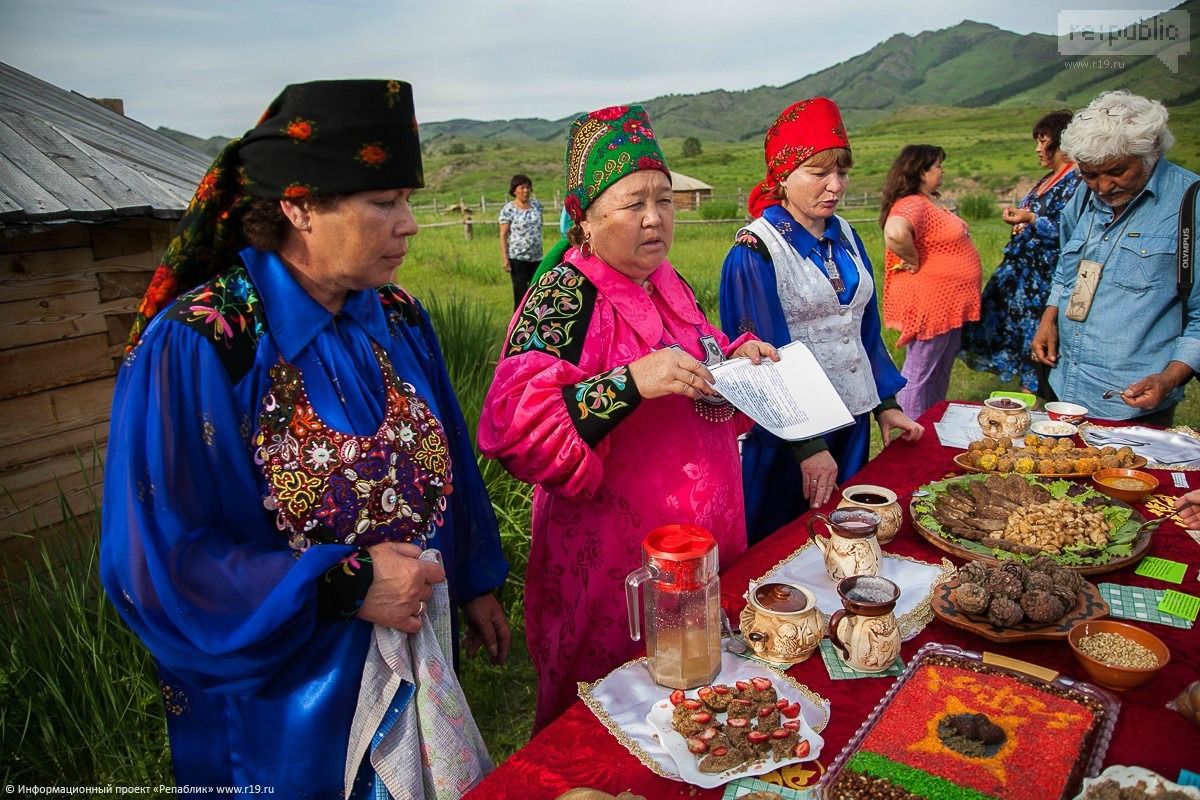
{"type": "Point", "coordinates": [681, 542]}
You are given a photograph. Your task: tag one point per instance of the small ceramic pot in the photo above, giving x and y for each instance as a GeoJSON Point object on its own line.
{"type": "Point", "coordinates": [1003, 416]}
{"type": "Point", "coordinates": [882, 501]}
{"type": "Point", "coordinates": [781, 622]}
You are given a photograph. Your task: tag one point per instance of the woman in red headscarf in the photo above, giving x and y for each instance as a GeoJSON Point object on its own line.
{"type": "Point", "coordinates": [799, 272]}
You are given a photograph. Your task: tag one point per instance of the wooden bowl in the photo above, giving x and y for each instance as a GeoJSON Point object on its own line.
{"type": "Point", "coordinates": [1150, 483]}
{"type": "Point", "coordinates": [1107, 675]}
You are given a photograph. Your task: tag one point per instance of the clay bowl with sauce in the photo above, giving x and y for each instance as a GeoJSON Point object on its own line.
{"type": "Point", "coordinates": [1129, 485]}
{"type": "Point", "coordinates": [1110, 675]}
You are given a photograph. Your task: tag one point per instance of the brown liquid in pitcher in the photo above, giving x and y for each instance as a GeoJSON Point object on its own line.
{"type": "Point", "coordinates": [871, 499]}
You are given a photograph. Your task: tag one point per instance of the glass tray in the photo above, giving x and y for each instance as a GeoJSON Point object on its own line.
{"type": "Point", "coordinates": [1094, 758]}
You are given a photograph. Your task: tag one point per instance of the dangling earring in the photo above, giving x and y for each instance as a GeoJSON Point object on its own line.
{"type": "Point", "coordinates": [586, 247]}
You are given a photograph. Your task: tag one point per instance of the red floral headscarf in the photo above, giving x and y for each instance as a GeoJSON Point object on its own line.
{"type": "Point", "coordinates": [316, 139]}
{"type": "Point", "coordinates": [801, 131]}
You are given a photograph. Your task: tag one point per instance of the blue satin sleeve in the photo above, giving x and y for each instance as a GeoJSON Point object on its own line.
{"type": "Point", "coordinates": [748, 297]}
{"type": "Point", "coordinates": [188, 554]}
{"type": "Point", "coordinates": [888, 379]}
{"type": "Point", "coordinates": [476, 562]}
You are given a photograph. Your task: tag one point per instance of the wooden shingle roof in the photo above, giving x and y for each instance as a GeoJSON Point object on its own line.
{"type": "Point", "coordinates": [64, 157]}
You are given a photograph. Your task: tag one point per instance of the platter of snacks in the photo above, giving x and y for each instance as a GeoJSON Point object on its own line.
{"type": "Point", "coordinates": [958, 724]}
{"type": "Point", "coordinates": [1134, 783]}
{"type": "Point", "coordinates": [994, 518]}
{"type": "Point", "coordinates": [1044, 456]}
{"type": "Point", "coordinates": [724, 731]}
{"type": "Point", "coordinates": [1013, 601]}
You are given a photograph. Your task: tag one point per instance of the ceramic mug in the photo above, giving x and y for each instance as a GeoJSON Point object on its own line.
{"type": "Point", "coordinates": [882, 501]}
{"type": "Point", "coordinates": [781, 622]}
{"type": "Point", "coordinates": [851, 547]}
{"type": "Point", "coordinates": [864, 630]}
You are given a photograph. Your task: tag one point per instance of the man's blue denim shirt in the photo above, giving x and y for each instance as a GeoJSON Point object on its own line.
{"type": "Point", "coordinates": [1136, 325]}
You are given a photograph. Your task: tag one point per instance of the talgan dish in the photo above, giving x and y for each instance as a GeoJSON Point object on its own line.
{"type": "Point", "coordinates": [954, 728]}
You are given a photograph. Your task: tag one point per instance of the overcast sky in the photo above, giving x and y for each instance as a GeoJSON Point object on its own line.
{"type": "Point", "coordinates": [209, 67]}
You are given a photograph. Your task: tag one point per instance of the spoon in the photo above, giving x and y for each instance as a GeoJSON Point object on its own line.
{"type": "Point", "coordinates": [1111, 393]}
{"type": "Point", "coordinates": [1152, 524]}
{"type": "Point", "coordinates": [733, 644]}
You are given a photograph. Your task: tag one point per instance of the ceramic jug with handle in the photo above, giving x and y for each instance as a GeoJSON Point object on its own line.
{"type": "Point", "coordinates": [864, 631]}
{"type": "Point", "coordinates": [851, 547]}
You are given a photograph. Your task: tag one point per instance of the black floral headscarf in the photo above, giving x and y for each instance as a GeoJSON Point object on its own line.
{"type": "Point", "coordinates": [315, 140]}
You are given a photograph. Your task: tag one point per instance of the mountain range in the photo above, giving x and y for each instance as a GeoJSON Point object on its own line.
{"type": "Point", "coordinates": [969, 65]}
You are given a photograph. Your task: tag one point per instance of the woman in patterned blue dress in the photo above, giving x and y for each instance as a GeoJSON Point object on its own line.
{"type": "Point", "coordinates": [1015, 296]}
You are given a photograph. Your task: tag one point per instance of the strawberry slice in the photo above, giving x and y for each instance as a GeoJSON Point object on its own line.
{"type": "Point", "coordinates": [691, 704]}
{"type": "Point", "coordinates": [743, 686]}
{"type": "Point", "coordinates": [792, 724]}
{"type": "Point", "coordinates": [705, 692]}
{"type": "Point", "coordinates": [766, 711]}
{"type": "Point", "coordinates": [721, 688]}
{"type": "Point", "coordinates": [707, 734]}
{"type": "Point", "coordinates": [720, 751]}
{"type": "Point", "coordinates": [792, 711]}
{"type": "Point", "coordinates": [781, 703]}
{"type": "Point", "coordinates": [760, 683]}
{"type": "Point", "coordinates": [780, 733]}
{"type": "Point", "coordinates": [696, 745]}
{"type": "Point", "coordinates": [677, 697]}
{"type": "Point", "coordinates": [801, 749]}
{"type": "Point", "coordinates": [737, 722]}
{"type": "Point", "coordinates": [741, 701]}
{"type": "Point", "coordinates": [757, 737]}
{"type": "Point", "coordinates": [703, 717]}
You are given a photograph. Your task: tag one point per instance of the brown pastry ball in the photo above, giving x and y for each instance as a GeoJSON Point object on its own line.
{"type": "Point", "coordinates": [1046, 466]}
{"type": "Point", "coordinates": [1004, 464]}
{"type": "Point", "coordinates": [1125, 456]}
{"type": "Point", "coordinates": [1109, 462]}
{"type": "Point", "coordinates": [1005, 443]}
{"type": "Point", "coordinates": [973, 446]}
{"type": "Point", "coordinates": [970, 598]}
{"type": "Point", "coordinates": [1004, 612]}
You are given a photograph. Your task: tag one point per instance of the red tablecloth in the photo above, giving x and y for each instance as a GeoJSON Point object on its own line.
{"type": "Point", "coordinates": [576, 749]}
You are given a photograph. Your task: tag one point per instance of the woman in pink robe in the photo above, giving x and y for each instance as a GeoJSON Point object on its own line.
{"type": "Point", "coordinates": [603, 400]}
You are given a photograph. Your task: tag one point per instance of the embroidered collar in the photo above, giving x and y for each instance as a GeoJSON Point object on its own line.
{"type": "Point", "coordinates": [293, 316]}
{"type": "Point", "coordinates": [635, 305]}
{"type": "Point", "coordinates": [803, 242]}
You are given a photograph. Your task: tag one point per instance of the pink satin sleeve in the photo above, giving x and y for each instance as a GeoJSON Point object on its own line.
{"type": "Point", "coordinates": [525, 425]}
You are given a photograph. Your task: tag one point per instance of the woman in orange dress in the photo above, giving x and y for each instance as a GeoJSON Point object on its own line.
{"type": "Point", "coordinates": [932, 275]}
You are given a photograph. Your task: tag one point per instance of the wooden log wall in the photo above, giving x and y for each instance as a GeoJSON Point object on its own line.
{"type": "Point", "coordinates": [67, 297]}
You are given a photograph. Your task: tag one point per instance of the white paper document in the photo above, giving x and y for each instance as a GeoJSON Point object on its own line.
{"type": "Point", "coordinates": [792, 398]}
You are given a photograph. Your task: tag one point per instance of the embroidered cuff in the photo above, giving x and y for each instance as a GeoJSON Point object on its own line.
{"type": "Point", "coordinates": [886, 404]}
{"type": "Point", "coordinates": [806, 448]}
{"type": "Point", "coordinates": [341, 590]}
{"type": "Point", "coordinates": [598, 404]}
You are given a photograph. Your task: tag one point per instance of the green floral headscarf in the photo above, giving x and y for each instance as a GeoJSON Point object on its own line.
{"type": "Point", "coordinates": [604, 146]}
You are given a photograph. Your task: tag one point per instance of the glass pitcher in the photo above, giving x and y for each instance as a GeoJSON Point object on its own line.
{"type": "Point", "coordinates": [682, 601]}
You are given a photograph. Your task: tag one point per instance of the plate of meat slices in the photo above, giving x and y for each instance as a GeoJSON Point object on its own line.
{"type": "Point", "coordinates": [994, 518]}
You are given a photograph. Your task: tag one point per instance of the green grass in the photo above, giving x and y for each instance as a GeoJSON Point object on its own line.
{"type": "Point", "coordinates": [79, 697]}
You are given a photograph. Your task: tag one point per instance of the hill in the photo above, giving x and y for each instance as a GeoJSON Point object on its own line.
{"type": "Point", "coordinates": [969, 65]}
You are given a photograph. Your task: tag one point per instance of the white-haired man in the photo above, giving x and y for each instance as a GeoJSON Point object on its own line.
{"type": "Point", "coordinates": [1114, 317]}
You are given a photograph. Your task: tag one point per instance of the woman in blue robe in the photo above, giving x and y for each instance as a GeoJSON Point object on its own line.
{"type": "Point", "coordinates": [799, 272]}
{"type": "Point", "coordinates": [284, 444]}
